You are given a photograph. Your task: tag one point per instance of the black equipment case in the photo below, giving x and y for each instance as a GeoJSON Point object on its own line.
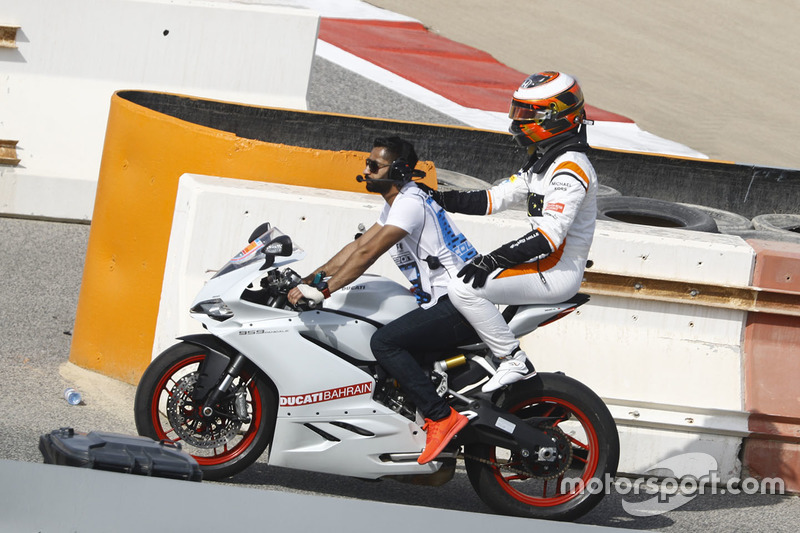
{"type": "Point", "coordinates": [118, 453]}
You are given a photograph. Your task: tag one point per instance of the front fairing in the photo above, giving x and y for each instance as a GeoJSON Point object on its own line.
{"type": "Point", "coordinates": [258, 251]}
{"type": "Point", "coordinates": [245, 267]}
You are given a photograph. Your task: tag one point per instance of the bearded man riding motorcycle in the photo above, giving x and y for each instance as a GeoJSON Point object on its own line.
{"type": "Point", "coordinates": [430, 250]}
{"type": "Point", "coordinates": [559, 185]}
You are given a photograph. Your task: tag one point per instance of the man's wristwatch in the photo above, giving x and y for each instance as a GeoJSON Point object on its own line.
{"type": "Point", "coordinates": [322, 287]}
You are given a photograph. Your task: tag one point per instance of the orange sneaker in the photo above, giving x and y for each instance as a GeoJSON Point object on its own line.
{"type": "Point", "coordinates": [439, 433]}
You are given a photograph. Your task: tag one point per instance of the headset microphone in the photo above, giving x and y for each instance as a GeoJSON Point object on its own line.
{"type": "Point", "coordinates": [414, 174]}
{"type": "Point", "coordinates": [361, 179]}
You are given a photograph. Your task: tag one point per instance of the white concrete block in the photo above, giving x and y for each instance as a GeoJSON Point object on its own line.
{"type": "Point", "coordinates": [72, 56]}
{"type": "Point", "coordinates": [674, 254]}
{"type": "Point", "coordinates": [679, 365]}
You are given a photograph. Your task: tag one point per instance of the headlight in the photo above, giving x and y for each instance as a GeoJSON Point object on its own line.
{"type": "Point", "coordinates": [216, 309]}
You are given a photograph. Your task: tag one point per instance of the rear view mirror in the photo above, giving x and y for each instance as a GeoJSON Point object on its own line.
{"type": "Point", "coordinates": [259, 231]}
{"type": "Point", "coordinates": [280, 245]}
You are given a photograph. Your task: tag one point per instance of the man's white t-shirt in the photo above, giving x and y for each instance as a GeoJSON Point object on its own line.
{"type": "Point", "coordinates": [433, 251]}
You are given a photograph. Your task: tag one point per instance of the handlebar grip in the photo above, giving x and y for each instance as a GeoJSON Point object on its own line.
{"type": "Point", "coordinates": [304, 304]}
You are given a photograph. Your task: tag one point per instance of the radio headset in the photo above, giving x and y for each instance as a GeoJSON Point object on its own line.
{"type": "Point", "coordinates": [400, 171]}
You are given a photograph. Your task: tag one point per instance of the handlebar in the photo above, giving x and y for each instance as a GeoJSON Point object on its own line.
{"type": "Point", "coordinates": [289, 279]}
{"type": "Point", "coordinates": [304, 304]}
{"type": "Point", "coordinates": [274, 290]}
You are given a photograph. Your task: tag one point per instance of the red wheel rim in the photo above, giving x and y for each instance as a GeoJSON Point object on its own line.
{"type": "Point", "coordinates": [590, 446]}
{"type": "Point", "coordinates": [227, 454]}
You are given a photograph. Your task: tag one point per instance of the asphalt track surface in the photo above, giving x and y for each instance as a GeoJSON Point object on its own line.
{"type": "Point", "coordinates": [719, 76]}
{"type": "Point", "coordinates": [40, 275]}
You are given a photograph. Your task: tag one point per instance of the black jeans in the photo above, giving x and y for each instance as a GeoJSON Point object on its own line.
{"type": "Point", "coordinates": [425, 333]}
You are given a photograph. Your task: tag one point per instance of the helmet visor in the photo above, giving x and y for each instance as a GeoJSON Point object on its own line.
{"type": "Point", "coordinates": [528, 113]}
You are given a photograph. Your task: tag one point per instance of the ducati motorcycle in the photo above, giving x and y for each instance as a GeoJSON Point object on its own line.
{"type": "Point", "coordinates": [302, 385]}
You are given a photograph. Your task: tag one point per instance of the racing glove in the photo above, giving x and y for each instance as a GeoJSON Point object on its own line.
{"type": "Point", "coordinates": [530, 246]}
{"type": "Point", "coordinates": [312, 294]}
{"type": "Point", "coordinates": [481, 266]}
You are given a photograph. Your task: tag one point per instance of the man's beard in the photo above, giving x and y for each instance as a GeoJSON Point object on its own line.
{"type": "Point", "coordinates": [380, 187]}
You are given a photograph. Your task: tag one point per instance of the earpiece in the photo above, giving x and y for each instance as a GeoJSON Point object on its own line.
{"type": "Point", "coordinates": [400, 170]}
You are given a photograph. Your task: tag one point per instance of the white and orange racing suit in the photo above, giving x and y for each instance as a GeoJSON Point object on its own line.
{"type": "Point", "coordinates": [543, 266]}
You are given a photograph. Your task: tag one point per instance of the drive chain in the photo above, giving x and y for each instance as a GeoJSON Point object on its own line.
{"type": "Point", "coordinates": [529, 473]}
{"type": "Point", "coordinates": [498, 465]}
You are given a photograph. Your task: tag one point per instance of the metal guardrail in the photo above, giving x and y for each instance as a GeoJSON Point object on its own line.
{"type": "Point", "coordinates": [754, 299]}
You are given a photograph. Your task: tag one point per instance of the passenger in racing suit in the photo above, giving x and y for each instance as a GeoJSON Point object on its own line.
{"type": "Point", "coordinates": [559, 185]}
{"type": "Point", "coordinates": [429, 250]}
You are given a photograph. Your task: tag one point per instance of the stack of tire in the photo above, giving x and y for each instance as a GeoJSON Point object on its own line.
{"type": "Point", "coordinates": [660, 213]}
{"type": "Point", "coordinates": [781, 227]}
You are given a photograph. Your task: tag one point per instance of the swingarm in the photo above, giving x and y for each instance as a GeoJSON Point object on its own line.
{"type": "Point", "coordinates": [495, 427]}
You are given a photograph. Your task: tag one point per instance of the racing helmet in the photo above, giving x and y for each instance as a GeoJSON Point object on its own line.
{"type": "Point", "coordinates": [547, 104]}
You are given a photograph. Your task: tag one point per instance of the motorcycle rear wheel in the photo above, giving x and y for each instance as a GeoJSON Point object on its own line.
{"type": "Point", "coordinates": [221, 444]}
{"type": "Point", "coordinates": [514, 485]}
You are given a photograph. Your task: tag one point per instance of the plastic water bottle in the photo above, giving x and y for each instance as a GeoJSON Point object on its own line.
{"type": "Point", "coordinates": [72, 396]}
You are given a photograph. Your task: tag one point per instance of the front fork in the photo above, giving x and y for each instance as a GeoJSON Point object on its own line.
{"type": "Point", "coordinates": [215, 376]}
{"type": "Point", "coordinates": [231, 373]}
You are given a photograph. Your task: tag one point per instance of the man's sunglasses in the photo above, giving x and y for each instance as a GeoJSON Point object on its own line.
{"type": "Point", "coordinates": [374, 166]}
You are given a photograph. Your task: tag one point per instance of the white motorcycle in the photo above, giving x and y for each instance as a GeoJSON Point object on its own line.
{"type": "Point", "coordinates": [304, 383]}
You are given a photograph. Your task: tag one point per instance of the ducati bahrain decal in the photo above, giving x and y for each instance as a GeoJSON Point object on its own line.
{"type": "Point", "coordinates": [327, 395]}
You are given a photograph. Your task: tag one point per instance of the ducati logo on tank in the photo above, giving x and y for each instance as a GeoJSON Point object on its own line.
{"type": "Point", "coordinates": [327, 395]}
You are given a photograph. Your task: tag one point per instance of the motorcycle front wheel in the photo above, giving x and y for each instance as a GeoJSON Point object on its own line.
{"type": "Point", "coordinates": [225, 443]}
{"type": "Point", "coordinates": [583, 432]}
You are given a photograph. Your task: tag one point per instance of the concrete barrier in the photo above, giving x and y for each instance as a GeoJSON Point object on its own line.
{"type": "Point", "coordinates": [650, 360]}
{"type": "Point", "coordinates": [70, 57]}
{"type": "Point", "coordinates": [772, 368]}
{"type": "Point", "coordinates": [489, 155]}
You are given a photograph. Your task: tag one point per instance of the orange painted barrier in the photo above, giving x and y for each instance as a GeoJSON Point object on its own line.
{"type": "Point", "coordinates": [772, 369]}
{"type": "Point", "coordinates": [144, 155]}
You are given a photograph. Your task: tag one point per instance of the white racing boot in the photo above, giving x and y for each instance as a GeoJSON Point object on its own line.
{"type": "Point", "coordinates": [512, 369]}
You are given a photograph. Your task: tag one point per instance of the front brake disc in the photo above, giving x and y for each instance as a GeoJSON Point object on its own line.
{"type": "Point", "coordinates": [191, 426]}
